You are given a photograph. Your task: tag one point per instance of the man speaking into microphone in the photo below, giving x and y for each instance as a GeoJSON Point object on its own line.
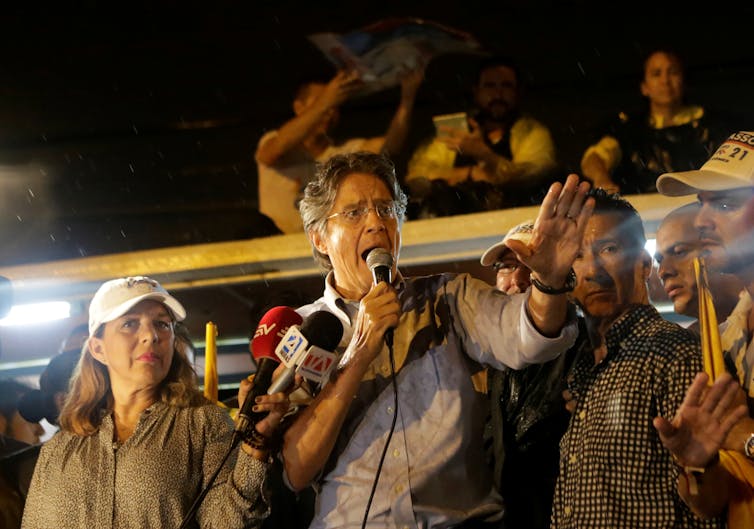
{"type": "Point", "coordinates": [422, 436]}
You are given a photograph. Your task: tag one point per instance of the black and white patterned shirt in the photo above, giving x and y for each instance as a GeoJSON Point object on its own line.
{"type": "Point", "coordinates": [614, 471]}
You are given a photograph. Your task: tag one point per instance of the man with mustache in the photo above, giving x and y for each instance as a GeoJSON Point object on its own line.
{"type": "Point", "coordinates": [512, 153]}
{"type": "Point", "coordinates": [678, 242]}
{"type": "Point", "coordinates": [614, 470]}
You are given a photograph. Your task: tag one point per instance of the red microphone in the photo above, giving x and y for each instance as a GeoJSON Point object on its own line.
{"type": "Point", "coordinates": [271, 329]}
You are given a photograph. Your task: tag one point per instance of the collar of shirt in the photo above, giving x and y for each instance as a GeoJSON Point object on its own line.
{"type": "Point", "coordinates": [349, 308]}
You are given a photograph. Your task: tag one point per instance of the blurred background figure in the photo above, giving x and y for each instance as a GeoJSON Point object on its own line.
{"type": "Point", "coordinates": [286, 157]}
{"type": "Point", "coordinates": [678, 242]}
{"type": "Point", "coordinates": [19, 449]}
{"type": "Point", "coordinates": [496, 157]}
{"type": "Point", "coordinates": [47, 401]}
{"type": "Point", "coordinates": [666, 135]}
{"type": "Point", "coordinates": [12, 424]}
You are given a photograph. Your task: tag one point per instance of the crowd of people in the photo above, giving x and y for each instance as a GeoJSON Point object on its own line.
{"type": "Point", "coordinates": [557, 397]}
{"type": "Point", "coordinates": [495, 154]}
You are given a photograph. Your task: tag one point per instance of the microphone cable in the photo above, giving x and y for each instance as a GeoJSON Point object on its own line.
{"type": "Point", "coordinates": [390, 433]}
{"type": "Point", "coordinates": [188, 518]}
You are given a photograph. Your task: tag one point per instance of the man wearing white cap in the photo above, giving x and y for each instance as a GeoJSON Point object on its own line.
{"type": "Point", "coordinates": [527, 410]}
{"type": "Point", "coordinates": [513, 276]}
{"type": "Point", "coordinates": [725, 188]}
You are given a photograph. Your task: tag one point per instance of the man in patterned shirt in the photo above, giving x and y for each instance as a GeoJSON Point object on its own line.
{"type": "Point", "coordinates": [614, 471]}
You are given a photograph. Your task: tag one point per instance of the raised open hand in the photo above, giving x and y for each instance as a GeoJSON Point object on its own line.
{"type": "Point", "coordinates": [558, 232]}
{"type": "Point", "coordinates": [700, 425]}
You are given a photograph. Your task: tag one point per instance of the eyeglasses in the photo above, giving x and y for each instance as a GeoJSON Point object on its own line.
{"type": "Point", "coordinates": [356, 215]}
{"type": "Point", "coordinates": [507, 267]}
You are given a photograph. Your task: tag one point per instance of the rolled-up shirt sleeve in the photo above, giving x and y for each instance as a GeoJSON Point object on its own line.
{"type": "Point", "coordinates": [496, 328]}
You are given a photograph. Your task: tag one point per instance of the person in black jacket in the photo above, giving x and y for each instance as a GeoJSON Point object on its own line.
{"type": "Point", "coordinates": [666, 135]}
{"type": "Point", "coordinates": [528, 414]}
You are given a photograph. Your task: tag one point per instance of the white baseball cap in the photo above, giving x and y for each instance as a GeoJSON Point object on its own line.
{"type": "Point", "coordinates": [731, 167]}
{"type": "Point", "coordinates": [116, 297]}
{"type": "Point", "coordinates": [520, 232]}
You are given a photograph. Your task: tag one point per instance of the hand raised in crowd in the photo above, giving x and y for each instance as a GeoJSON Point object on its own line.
{"type": "Point", "coordinates": [704, 419]}
{"type": "Point", "coordinates": [345, 84]}
{"type": "Point", "coordinates": [411, 80]}
{"type": "Point", "coordinates": [558, 232]}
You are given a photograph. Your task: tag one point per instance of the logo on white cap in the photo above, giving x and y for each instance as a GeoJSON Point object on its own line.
{"type": "Point", "coordinates": [730, 167]}
{"type": "Point", "coordinates": [116, 297]}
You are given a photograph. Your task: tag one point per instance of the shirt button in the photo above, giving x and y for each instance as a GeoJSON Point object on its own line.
{"type": "Point", "coordinates": [385, 369]}
{"type": "Point", "coordinates": [390, 410]}
{"type": "Point", "coordinates": [567, 510]}
{"type": "Point", "coordinates": [398, 489]}
{"type": "Point", "coordinates": [396, 453]}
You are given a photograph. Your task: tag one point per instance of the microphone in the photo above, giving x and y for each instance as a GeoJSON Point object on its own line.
{"type": "Point", "coordinates": [380, 262]}
{"type": "Point", "coordinates": [307, 350]}
{"type": "Point", "coordinates": [271, 329]}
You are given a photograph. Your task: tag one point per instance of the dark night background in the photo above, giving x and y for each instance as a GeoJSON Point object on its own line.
{"type": "Point", "coordinates": [135, 128]}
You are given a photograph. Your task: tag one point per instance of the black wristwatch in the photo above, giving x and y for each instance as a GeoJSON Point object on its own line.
{"type": "Point", "coordinates": [570, 284]}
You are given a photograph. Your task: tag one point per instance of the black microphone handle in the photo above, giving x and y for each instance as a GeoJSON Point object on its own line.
{"type": "Point", "coordinates": [247, 418]}
{"type": "Point", "coordinates": [382, 273]}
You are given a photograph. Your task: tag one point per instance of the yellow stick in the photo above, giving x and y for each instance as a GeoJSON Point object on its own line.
{"type": "Point", "coordinates": [210, 362]}
{"type": "Point", "coordinates": [712, 351]}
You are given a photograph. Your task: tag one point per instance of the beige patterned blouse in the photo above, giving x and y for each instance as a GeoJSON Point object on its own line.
{"type": "Point", "coordinates": [151, 480]}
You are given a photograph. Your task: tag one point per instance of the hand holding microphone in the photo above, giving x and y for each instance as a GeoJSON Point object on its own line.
{"type": "Point", "coordinates": [307, 344]}
{"type": "Point", "coordinates": [271, 329]}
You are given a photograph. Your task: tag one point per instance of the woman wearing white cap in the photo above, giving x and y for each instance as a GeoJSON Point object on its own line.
{"type": "Point", "coordinates": [138, 441]}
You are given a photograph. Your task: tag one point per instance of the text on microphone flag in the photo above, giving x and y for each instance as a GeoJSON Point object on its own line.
{"type": "Point", "coordinates": [317, 365]}
{"type": "Point", "coordinates": [291, 347]}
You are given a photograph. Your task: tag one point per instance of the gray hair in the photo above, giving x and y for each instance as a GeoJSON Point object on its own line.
{"type": "Point", "coordinates": [319, 195]}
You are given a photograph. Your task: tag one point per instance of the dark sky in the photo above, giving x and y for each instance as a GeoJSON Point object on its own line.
{"type": "Point", "coordinates": [135, 128]}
